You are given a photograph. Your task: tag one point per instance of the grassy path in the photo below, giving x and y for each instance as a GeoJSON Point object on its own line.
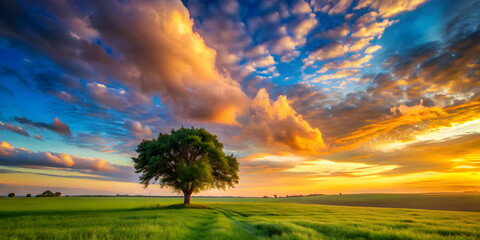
{"type": "Point", "coordinates": [249, 229]}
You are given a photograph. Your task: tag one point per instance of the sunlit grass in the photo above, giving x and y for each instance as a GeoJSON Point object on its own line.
{"type": "Point", "coordinates": [215, 218]}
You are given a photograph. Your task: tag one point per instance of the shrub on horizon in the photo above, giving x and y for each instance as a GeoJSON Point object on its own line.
{"type": "Point", "coordinates": [47, 193]}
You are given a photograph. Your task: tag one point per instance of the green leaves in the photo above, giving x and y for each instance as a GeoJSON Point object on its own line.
{"type": "Point", "coordinates": [187, 160]}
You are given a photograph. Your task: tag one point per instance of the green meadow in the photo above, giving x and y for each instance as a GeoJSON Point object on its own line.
{"type": "Point", "coordinates": [240, 218]}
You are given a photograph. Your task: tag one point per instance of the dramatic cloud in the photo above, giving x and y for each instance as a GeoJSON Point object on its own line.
{"type": "Point", "coordinates": [115, 98]}
{"type": "Point", "coordinates": [14, 128]}
{"type": "Point", "coordinates": [56, 126]}
{"type": "Point", "coordinates": [172, 61]}
{"type": "Point", "coordinates": [421, 79]}
{"type": "Point", "coordinates": [408, 116]}
{"type": "Point", "coordinates": [152, 64]}
{"type": "Point", "coordinates": [277, 124]}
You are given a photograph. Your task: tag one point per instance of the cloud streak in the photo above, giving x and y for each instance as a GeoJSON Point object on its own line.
{"type": "Point", "coordinates": [56, 126]}
{"type": "Point", "coordinates": [21, 157]}
{"type": "Point", "coordinates": [14, 128]}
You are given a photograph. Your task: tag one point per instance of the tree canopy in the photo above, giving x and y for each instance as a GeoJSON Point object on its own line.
{"type": "Point", "coordinates": [187, 160]}
{"type": "Point", "coordinates": [47, 193]}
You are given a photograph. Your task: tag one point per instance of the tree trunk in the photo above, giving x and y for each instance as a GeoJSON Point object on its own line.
{"type": "Point", "coordinates": [186, 199]}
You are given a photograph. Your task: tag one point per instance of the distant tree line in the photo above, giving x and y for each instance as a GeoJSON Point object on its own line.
{"type": "Point", "coordinates": [47, 193]}
{"type": "Point", "coordinates": [309, 195]}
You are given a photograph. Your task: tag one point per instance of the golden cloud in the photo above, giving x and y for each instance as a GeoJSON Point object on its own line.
{"type": "Point", "coordinates": [328, 51]}
{"type": "Point", "coordinates": [360, 44]}
{"type": "Point", "coordinates": [373, 49]}
{"type": "Point", "coordinates": [373, 30]}
{"type": "Point", "coordinates": [407, 124]}
{"type": "Point", "coordinates": [389, 8]}
{"type": "Point", "coordinates": [278, 125]}
{"type": "Point", "coordinates": [337, 75]}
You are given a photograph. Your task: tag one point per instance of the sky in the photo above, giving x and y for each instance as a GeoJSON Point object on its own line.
{"type": "Point", "coordinates": [315, 96]}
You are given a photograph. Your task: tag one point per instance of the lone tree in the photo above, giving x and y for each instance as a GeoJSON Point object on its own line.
{"type": "Point", "coordinates": [11, 194]}
{"type": "Point", "coordinates": [187, 160]}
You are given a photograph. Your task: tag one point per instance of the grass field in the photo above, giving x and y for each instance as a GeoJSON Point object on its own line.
{"type": "Point", "coordinates": [457, 202]}
{"type": "Point", "coordinates": [228, 218]}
